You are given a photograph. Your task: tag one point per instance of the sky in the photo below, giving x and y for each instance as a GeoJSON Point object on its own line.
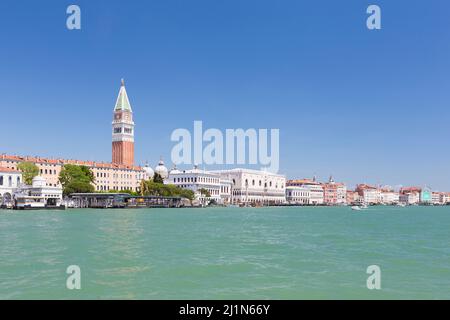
{"type": "Point", "coordinates": [366, 106]}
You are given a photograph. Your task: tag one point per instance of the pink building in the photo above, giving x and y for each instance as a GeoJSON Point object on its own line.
{"type": "Point", "coordinates": [334, 193]}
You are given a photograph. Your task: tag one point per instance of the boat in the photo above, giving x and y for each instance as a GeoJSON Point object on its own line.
{"type": "Point", "coordinates": [359, 208]}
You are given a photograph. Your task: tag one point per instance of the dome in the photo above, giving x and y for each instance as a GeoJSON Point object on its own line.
{"type": "Point", "coordinates": [174, 170]}
{"type": "Point", "coordinates": [149, 171]}
{"type": "Point", "coordinates": [39, 181]}
{"type": "Point", "coordinates": [162, 170]}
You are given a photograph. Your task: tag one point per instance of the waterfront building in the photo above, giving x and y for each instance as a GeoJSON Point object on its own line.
{"type": "Point", "coordinates": [108, 176]}
{"type": "Point", "coordinates": [120, 174]}
{"type": "Point", "coordinates": [389, 196]}
{"type": "Point", "coordinates": [410, 196]}
{"type": "Point", "coordinates": [39, 194]}
{"type": "Point", "coordinates": [437, 198]}
{"type": "Point", "coordinates": [426, 196]}
{"type": "Point", "coordinates": [10, 179]}
{"type": "Point", "coordinates": [196, 180]}
{"type": "Point", "coordinates": [369, 194]}
{"type": "Point", "coordinates": [334, 193]}
{"type": "Point", "coordinates": [255, 186]}
{"type": "Point", "coordinates": [353, 197]}
{"type": "Point", "coordinates": [298, 195]}
{"type": "Point", "coordinates": [445, 198]}
{"type": "Point", "coordinates": [226, 187]}
{"type": "Point", "coordinates": [316, 192]}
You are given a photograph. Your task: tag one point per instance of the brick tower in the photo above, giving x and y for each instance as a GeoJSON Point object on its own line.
{"type": "Point", "coordinates": [123, 130]}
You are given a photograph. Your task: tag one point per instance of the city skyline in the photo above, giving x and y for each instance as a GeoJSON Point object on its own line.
{"type": "Point", "coordinates": [349, 102]}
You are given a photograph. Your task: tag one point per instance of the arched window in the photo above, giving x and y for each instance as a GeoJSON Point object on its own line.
{"type": "Point", "coordinates": [18, 181]}
{"type": "Point", "coordinates": [1, 180]}
{"type": "Point", "coordinates": [9, 181]}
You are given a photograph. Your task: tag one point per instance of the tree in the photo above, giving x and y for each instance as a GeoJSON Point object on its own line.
{"type": "Point", "coordinates": [76, 179]}
{"type": "Point", "coordinates": [205, 193]}
{"type": "Point", "coordinates": [29, 171]}
{"type": "Point", "coordinates": [152, 188]}
{"type": "Point", "coordinates": [157, 178]}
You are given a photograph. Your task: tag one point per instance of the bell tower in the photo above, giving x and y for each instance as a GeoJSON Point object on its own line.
{"type": "Point", "coordinates": [123, 130]}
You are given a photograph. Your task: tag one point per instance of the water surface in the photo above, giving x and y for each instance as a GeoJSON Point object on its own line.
{"type": "Point", "coordinates": [226, 253]}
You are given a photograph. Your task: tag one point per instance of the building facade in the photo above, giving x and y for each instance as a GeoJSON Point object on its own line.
{"type": "Point", "coordinates": [39, 194]}
{"type": "Point", "coordinates": [389, 197]}
{"type": "Point", "coordinates": [334, 193]}
{"type": "Point", "coordinates": [298, 195]}
{"type": "Point", "coordinates": [255, 186]}
{"type": "Point", "coordinates": [369, 195]}
{"type": "Point", "coordinates": [316, 192]}
{"type": "Point", "coordinates": [10, 179]}
{"type": "Point", "coordinates": [198, 180]}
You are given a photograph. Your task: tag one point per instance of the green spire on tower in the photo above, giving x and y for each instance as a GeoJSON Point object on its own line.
{"type": "Point", "coordinates": [122, 102]}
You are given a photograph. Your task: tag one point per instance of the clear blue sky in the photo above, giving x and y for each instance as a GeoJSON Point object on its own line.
{"type": "Point", "coordinates": [365, 106]}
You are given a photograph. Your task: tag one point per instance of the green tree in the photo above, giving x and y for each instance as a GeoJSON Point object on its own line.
{"type": "Point", "coordinates": [157, 178]}
{"type": "Point", "coordinates": [76, 179]}
{"type": "Point", "coordinates": [152, 188]}
{"type": "Point", "coordinates": [205, 193]}
{"type": "Point", "coordinates": [29, 171]}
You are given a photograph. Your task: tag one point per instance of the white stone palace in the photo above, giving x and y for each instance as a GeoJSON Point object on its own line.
{"type": "Point", "coordinates": [255, 186]}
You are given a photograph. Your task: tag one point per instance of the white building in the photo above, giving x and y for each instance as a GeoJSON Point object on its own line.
{"type": "Point", "coordinates": [10, 180]}
{"type": "Point", "coordinates": [197, 180]}
{"type": "Point", "coordinates": [436, 198]}
{"type": "Point", "coordinates": [226, 186]}
{"type": "Point", "coordinates": [410, 198]}
{"type": "Point", "coordinates": [445, 198]}
{"type": "Point", "coordinates": [390, 197]}
{"type": "Point", "coordinates": [255, 186]}
{"type": "Point", "coordinates": [369, 194]}
{"type": "Point", "coordinates": [39, 194]}
{"type": "Point", "coordinates": [298, 195]}
{"type": "Point", "coordinates": [316, 192]}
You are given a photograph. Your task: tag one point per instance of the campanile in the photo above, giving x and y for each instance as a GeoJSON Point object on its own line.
{"type": "Point", "coordinates": [123, 130]}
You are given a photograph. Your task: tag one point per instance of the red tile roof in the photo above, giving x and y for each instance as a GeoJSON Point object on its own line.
{"type": "Point", "coordinates": [3, 169]}
{"type": "Point", "coordinates": [70, 161]}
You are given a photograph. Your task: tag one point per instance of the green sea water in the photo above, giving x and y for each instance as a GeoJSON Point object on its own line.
{"type": "Point", "coordinates": [226, 253]}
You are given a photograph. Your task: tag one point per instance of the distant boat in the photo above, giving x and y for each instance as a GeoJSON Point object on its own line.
{"type": "Point", "coordinates": [359, 208]}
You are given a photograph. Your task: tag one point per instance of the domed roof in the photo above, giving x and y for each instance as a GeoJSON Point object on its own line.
{"type": "Point", "coordinates": [162, 170]}
{"type": "Point", "coordinates": [174, 170]}
{"type": "Point", "coordinates": [149, 171]}
{"type": "Point", "coordinates": [39, 181]}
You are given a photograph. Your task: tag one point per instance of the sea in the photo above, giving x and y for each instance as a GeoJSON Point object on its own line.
{"type": "Point", "coordinates": [226, 253]}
